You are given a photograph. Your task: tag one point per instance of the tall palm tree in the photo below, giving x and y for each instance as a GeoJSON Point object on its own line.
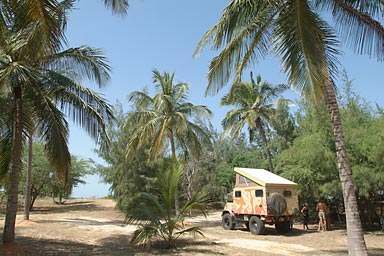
{"type": "Point", "coordinates": [39, 86]}
{"type": "Point", "coordinates": [308, 47]}
{"type": "Point", "coordinates": [255, 103]}
{"type": "Point", "coordinates": [164, 120]}
{"type": "Point", "coordinates": [51, 15]}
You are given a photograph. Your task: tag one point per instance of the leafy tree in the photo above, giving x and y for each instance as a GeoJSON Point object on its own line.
{"type": "Point", "coordinates": [307, 47]}
{"type": "Point", "coordinates": [154, 212]}
{"type": "Point", "coordinates": [41, 173]}
{"type": "Point", "coordinates": [38, 86]}
{"type": "Point", "coordinates": [164, 120]}
{"type": "Point", "coordinates": [213, 173]}
{"type": "Point", "coordinates": [284, 129]}
{"type": "Point", "coordinates": [79, 168]}
{"type": "Point", "coordinates": [126, 176]}
{"type": "Point", "coordinates": [364, 138]}
{"type": "Point", "coordinates": [255, 104]}
{"type": "Point", "coordinates": [310, 160]}
{"type": "Point", "coordinates": [45, 182]}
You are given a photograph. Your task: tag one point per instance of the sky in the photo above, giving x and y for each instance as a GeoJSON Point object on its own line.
{"type": "Point", "coordinates": [163, 35]}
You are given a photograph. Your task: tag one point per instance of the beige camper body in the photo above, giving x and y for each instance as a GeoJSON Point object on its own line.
{"type": "Point", "coordinates": [260, 197]}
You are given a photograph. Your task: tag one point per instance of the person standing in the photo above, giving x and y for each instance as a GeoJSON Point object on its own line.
{"type": "Point", "coordinates": [305, 213]}
{"type": "Point", "coordinates": [323, 210]}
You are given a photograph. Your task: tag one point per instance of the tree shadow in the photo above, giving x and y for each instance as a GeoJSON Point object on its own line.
{"type": "Point", "coordinates": [69, 206]}
{"type": "Point", "coordinates": [116, 245]}
{"type": "Point", "coordinates": [27, 246]}
{"type": "Point", "coordinates": [85, 222]}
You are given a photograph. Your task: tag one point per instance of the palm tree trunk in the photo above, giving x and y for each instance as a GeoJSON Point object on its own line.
{"type": "Point", "coordinates": [173, 149]}
{"type": "Point", "coordinates": [27, 195]}
{"type": "Point", "coordinates": [13, 192]}
{"type": "Point", "coordinates": [265, 142]}
{"type": "Point", "coordinates": [356, 242]}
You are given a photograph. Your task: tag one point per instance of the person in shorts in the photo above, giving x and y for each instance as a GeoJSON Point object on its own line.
{"type": "Point", "coordinates": [322, 208]}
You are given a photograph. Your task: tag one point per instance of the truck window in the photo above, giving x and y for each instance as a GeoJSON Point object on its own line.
{"type": "Point", "coordinates": [287, 193]}
{"type": "Point", "coordinates": [244, 180]}
{"type": "Point", "coordinates": [237, 193]}
{"type": "Point", "coordinates": [259, 193]}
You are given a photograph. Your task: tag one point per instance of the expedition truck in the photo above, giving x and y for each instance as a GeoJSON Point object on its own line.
{"type": "Point", "coordinates": [258, 198]}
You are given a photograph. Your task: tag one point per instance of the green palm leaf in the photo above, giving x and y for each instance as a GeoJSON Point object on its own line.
{"type": "Point", "coordinates": [84, 61]}
{"type": "Point", "coordinates": [356, 25]}
{"type": "Point", "coordinates": [117, 6]}
{"type": "Point", "coordinates": [154, 213]}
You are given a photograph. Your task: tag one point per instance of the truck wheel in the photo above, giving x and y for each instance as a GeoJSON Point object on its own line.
{"type": "Point", "coordinates": [256, 225]}
{"type": "Point", "coordinates": [276, 203]}
{"type": "Point", "coordinates": [227, 222]}
{"type": "Point", "coordinates": [283, 227]}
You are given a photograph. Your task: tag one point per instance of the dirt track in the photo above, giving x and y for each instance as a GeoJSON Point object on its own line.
{"type": "Point", "coordinates": [93, 227]}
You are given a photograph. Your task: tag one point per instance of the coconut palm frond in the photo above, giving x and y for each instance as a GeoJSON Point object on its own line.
{"type": "Point", "coordinates": [119, 7]}
{"type": "Point", "coordinates": [144, 235]}
{"type": "Point", "coordinates": [155, 213]}
{"type": "Point", "coordinates": [54, 130]}
{"type": "Point", "coordinates": [356, 24]}
{"type": "Point", "coordinates": [190, 231]}
{"type": "Point", "coordinates": [86, 62]}
{"type": "Point", "coordinates": [147, 209]}
{"type": "Point", "coordinates": [305, 64]}
{"type": "Point", "coordinates": [140, 99]}
{"type": "Point", "coordinates": [83, 106]}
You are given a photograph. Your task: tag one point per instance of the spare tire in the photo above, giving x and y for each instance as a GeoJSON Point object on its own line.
{"type": "Point", "coordinates": [276, 204]}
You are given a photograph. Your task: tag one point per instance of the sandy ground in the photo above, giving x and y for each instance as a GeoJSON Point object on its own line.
{"type": "Point", "coordinates": [94, 227]}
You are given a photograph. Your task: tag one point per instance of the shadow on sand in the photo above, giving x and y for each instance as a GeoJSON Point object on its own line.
{"type": "Point", "coordinates": [114, 246]}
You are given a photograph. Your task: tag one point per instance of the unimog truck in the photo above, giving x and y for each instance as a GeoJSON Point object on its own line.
{"type": "Point", "coordinates": [258, 198]}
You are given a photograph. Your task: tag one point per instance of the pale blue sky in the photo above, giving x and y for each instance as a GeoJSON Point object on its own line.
{"type": "Point", "coordinates": [163, 35]}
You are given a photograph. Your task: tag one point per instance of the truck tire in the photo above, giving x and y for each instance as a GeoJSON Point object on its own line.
{"type": "Point", "coordinates": [227, 222]}
{"type": "Point", "coordinates": [283, 227]}
{"type": "Point", "coordinates": [276, 204]}
{"type": "Point", "coordinates": [256, 225]}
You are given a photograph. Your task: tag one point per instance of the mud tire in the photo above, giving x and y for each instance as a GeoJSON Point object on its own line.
{"type": "Point", "coordinates": [227, 222]}
{"type": "Point", "coordinates": [256, 225]}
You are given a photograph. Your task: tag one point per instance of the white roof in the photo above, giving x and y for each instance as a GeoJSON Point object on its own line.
{"type": "Point", "coordinates": [263, 177]}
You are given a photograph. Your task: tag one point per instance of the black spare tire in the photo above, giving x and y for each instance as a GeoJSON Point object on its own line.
{"type": "Point", "coordinates": [276, 204]}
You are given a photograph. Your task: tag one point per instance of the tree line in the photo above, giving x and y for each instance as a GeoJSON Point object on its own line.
{"type": "Point", "coordinates": [300, 143]}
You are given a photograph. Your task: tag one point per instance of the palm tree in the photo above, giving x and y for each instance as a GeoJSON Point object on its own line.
{"type": "Point", "coordinates": [164, 120]}
{"type": "Point", "coordinates": [38, 84]}
{"type": "Point", "coordinates": [255, 104]}
{"type": "Point", "coordinates": [154, 212]}
{"type": "Point", "coordinates": [53, 19]}
{"type": "Point", "coordinates": [307, 46]}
